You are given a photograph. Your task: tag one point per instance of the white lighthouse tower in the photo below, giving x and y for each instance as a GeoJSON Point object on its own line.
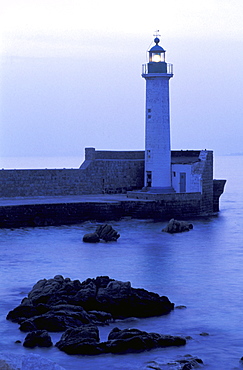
{"type": "Point", "coordinates": [157, 134]}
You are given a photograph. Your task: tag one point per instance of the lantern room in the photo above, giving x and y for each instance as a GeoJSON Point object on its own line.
{"type": "Point", "coordinates": [157, 62]}
{"type": "Point", "coordinates": [156, 53]}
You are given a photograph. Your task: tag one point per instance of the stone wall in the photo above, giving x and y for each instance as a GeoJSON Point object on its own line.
{"type": "Point", "coordinates": [101, 172]}
{"type": "Point", "coordinates": [218, 189]}
{"type": "Point", "coordinates": [104, 172]}
{"type": "Point", "coordinates": [28, 183]}
{"type": "Point", "coordinates": [207, 181]}
{"type": "Point", "coordinates": [30, 215]}
{"type": "Point", "coordinates": [93, 154]}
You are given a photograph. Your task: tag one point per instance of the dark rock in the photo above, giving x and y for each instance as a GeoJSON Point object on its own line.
{"type": "Point", "coordinates": [121, 300]}
{"type": "Point", "coordinates": [38, 338]}
{"type": "Point", "coordinates": [135, 340]}
{"type": "Point", "coordinates": [104, 232]}
{"type": "Point", "coordinates": [27, 325]}
{"type": "Point", "coordinates": [183, 363]}
{"type": "Point", "coordinates": [21, 313]}
{"type": "Point", "coordinates": [57, 304]}
{"type": "Point", "coordinates": [99, 317]}
{"type": "Point", "coordinates": [59, 318]}
{"type": "Point", "coordinates": [180, 307]}
{"type": "Point", "coordinates": [52, 323]}
{"type": "Point", "coordinates": [175, 226]}
{"type": "Point", "coordinates": [107, 233]}
{"type": "Point", "coordinates": [86, 295]}
{"type": "Point", "coordinates": [83, 340]}
{"type": "Point", "coordinates": [153, 365]}
{"type": "Point", "coordinates": [91, 238]}
{"type": "Point", "coordinates": [189, 362]}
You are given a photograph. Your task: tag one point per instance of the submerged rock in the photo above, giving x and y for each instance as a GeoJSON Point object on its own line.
{"type": "Point", "coordinates": [175, 226]}
{"type": "Point", "coordinates": [103, 232]}
{"type": "Point", "coordinates": [186, 362]}
{"type": "Point", "coordinates": [57, 304]}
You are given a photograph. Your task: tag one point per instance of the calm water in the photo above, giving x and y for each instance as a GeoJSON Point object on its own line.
{"type": "Point", "coordinates": [201, 269]}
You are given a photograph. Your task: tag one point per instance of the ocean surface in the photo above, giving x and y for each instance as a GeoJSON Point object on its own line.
{"type": "Point", "coordinates": [201, 269]}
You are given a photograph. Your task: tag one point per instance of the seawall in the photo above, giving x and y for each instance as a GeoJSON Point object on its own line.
{"type": "Point", "coordinates": [118, 174]}
{"type": "Point", "coordinates": [42, 211]}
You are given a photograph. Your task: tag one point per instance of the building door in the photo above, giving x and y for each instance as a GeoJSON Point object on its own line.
{"type": "Point", "coordinates": [182, 182]}
{"type": "Point", "coordinates": [149, 179]}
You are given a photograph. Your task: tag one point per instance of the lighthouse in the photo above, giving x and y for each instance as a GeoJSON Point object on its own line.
{"type": "Point", "coordinates": [157, 74]}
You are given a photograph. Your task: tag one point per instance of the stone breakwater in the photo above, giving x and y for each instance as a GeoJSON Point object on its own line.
{"type": "Point", "coordinates": [55, 211]}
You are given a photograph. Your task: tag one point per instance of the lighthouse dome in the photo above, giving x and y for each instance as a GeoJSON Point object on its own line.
{"type": "Point", "coordinates": [156, 53]}
{"type": "Point", "coordinates": [157, 48]}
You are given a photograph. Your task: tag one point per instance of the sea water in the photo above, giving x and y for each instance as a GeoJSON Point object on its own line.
{"type": "Point", "coordinates": [201, 269]}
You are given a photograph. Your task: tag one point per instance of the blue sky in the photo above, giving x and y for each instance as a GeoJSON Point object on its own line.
{"type": "Point", "coordinates": [71, 74]}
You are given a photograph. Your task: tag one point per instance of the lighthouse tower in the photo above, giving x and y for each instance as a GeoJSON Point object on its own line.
{"type": "Point", "coordinates": [157, 74]}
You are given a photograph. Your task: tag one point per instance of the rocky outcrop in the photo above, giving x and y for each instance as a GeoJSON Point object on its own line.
{"type": "Point", "coordinates": [175, 226]}
{"type": "Point", "coordinates": [91, 238]}
{"type": "Point", "coordinates": [135, 340]}
{"type": "Point", "coordinates": [85, 340]}
{"type": "Point", "coordinates": [57, 318]}
{"type": "Point", "coordinates": [58, 304]}
{"type": "Point", "coordinates": [39, 338]}
{"type": "Point", "coordinates": [107, 233]}
{"type": "Point", "coordinates": [103, 232]}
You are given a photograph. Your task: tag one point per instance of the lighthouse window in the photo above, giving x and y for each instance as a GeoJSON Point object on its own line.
{"type": "Point", "coordinates": [149, 110]}
{"type": "Point", "coordinates": [149, 116]}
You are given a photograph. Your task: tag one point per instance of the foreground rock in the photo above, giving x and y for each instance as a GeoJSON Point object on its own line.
{"type": "Point", "coordinates": [175, 226]}
{"type": "Point", "coordinates": [134, 340]}
{"type": "Point", "coordinates": [186, 362]}
{"type": "Point", "coordinates": [85, 341]}
{"type": "Point", "coordinates": [58, 304]}
{"type": "Point", "coordinates": [12, 361]}
{"type": "Point", "coordinates": [91, 238]}
{"type": "Point", "coordinates": [57, 318]}
{"type": "Point", "coordinates": [103, 232]}
{"type": "Point", "coordinates": [39, 338]}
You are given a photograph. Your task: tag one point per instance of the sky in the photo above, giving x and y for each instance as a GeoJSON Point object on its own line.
{"type": "Point", "coordinates": [70, 74]}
